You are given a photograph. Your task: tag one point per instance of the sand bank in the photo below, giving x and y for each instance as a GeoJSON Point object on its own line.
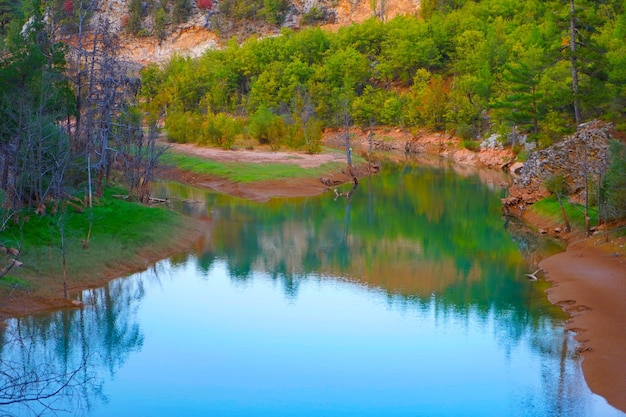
{"type": "Point", "coordinates": [590, 284]}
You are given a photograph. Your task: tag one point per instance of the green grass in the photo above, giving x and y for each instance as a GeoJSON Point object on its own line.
{"type": "Point", "coordinates": [119, 230]}
{"type": "Point", "coordinates": [522, 156]}
{"type": "Point", "coordinates": [549, 207]}
{"type": "Point", "coordinates": [470, 144]}
{"type": "Point", "coordinates": [11, 281]}
{"type": "Point", "coordinates": [246, 172]}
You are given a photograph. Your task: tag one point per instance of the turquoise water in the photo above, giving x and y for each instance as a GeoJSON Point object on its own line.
{"type": "Point", "coordinates": [408, 299]}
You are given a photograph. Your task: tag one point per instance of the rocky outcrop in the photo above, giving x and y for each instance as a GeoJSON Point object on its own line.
{"type": "Point", "coordinates": [581, 156]}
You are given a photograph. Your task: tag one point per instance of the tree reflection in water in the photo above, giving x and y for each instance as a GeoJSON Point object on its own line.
{"type": "Point", "coordinates": [50, 364]}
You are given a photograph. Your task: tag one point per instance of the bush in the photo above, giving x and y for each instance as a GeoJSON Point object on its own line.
{"type": "Point", "coordinates": [259, 123]}
{"type": "Point", "coordinates": [472, 145]}
{"type": "Point", "coordinates": [184, 127]}
{"type": "Point", "coordinates": [276, 132]}
{"type": "Point", "coordinates": [465, 132]}
{"type": "Point", "coordinates": [314, 15]}
{"type": "Point", "coordinates": [160, 21]}
{"type": "Point", "coordinates": [222, 130]}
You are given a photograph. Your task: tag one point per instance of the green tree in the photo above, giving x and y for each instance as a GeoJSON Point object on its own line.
{"type": "Point", "coordinates": [35, 99]}
{"type": "Point", "coordinates": [522, 100]}
{"type": "Point", "coordinates": [615, 180]}
{"type": "Point", "coordinates": [134, 24]}
{"type": "Point", "coordinates": [160, 23]}
{"type": "Point", "coordinates": [180, 11]}
{"type": "Point", "coordinates": [557, 186]}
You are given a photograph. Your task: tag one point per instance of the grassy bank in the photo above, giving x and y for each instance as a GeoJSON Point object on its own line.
{"type": "Point", "coordinates": [550, 209]}
{"type": "Point", "coordinates": [246, 172]}
{"type": "Point", "coordinates": [124, 237]}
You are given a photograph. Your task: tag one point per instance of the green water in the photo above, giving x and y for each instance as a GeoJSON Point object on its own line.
{"type": "Point", "coordinates": [406, 297]}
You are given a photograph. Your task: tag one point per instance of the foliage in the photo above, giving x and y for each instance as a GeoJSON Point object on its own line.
{"type": "Point", "coordinates": [549, 207]}
{"type": "Point", "coordinates": [557, 186]}
{"type": "Point", "coordinates": [180, 11]}
{"type": "Point", "coordinates": [460, 64]}
{"type": "Point", "coordinates": [615, 180]}
{"type": "Point", "coordinates": [314, 15]}
{"type": "Point", "coordinates": [222, 129]}
{"type": "Point", "coordinates": [205, 4]}
{"type": "Point", "coordinates": [160, 21]}
{"type": "Point", "coordinates": [470, 144]}
{"type": "Point", "coordinates": [134, 24]}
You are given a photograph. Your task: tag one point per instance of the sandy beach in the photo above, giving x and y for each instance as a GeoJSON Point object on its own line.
{"type": "Point", "coordinates": [590, 284]}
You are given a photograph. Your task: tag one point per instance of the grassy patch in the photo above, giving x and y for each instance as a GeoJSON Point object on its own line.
{"type": "Point", "coordinates": [549, 207]}
{"type": "Point", "coordinates": [11, 281]}
{"type": "Point", "coordinates": [522, 156]}
{"type": "Point", "coordinates": [246, 172]}
{"type": "Point", "coordinates": [470, 144]}
{"type": "Point", "coordinates": [119, 230]}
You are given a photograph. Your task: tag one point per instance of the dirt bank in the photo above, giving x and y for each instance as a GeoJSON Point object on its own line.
{"type": "Point", "coordinates": [263, 190]}
{"type": "Point", "coordinates": [16, 303]}
{"type": "Point", "coordinates": [589, 282]}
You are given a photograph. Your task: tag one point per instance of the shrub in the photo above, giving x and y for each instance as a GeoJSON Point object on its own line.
{"type": "Point", "coordinates": [184, 127]}
{"type": "Point", "coordinates": [258, 125]}
{"type": "Point", "coordinates": [222, 129]}
{"type": "Point", "coordinates": [472, 145]}
{"type": "Point", "coordinates": [314, 15]}
{"type": "Point", "coordinates": [615, 180]}
{"type": "Point", "coordinates": [205, 4]}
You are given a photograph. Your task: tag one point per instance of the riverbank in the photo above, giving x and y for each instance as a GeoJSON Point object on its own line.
{"type": "Point", "coordinates": [588, 281]}
{"type": "Point", "coordinates": [120, 245]}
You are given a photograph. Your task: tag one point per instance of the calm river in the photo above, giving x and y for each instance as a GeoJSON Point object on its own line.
{"type": "Point", "coordinates": [406, 299]}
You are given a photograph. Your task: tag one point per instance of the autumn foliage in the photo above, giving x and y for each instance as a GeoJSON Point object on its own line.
{"type": "Point", "coordinates": [68, 6]}
{"type": "Point", "coordinates": [205, 4]}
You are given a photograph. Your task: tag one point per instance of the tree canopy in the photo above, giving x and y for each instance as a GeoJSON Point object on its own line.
{"type": "Point", "coordinates": [460, 63]}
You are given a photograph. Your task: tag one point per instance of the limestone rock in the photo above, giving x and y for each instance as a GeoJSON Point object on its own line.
{"type": "Point", "coordinates": [587, 150]}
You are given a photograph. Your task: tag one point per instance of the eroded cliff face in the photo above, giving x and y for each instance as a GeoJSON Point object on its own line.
{"type": "Point", "coordinates": [193, 37]}
{"type": "Point", "coordinates": [581, 157]}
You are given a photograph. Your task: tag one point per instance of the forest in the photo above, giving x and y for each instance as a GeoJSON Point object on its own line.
{"type": "Point", "coordinates": [72, 111]}
{"type": "Point", "coordinates": [470, 68]}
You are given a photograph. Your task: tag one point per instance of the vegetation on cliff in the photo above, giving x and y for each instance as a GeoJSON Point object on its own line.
{"type": "Point", "coordinates": [471, 68]}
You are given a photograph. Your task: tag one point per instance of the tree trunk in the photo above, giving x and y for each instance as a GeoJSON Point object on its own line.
{"type": "Point", "coordinates": [568, 227]}
{"type": "Point", "coordinates": [574, 64]}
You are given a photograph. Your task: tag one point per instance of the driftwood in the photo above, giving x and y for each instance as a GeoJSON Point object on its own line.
{"type": "Point", "coordinates": [533, 276]}
{"type": "Point", "coordinates": [154, 200]}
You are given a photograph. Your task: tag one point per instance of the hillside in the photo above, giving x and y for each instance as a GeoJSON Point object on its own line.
{"type": "Point", "coordinates": [198, 34]}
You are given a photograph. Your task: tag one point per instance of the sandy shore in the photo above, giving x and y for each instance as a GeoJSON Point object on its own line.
{"type": "Point", "coordinates": [590, 284]}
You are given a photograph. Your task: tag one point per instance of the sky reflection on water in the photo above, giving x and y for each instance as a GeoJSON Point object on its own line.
{"type": "Point", "coordinates": [407, 300]}
{"type": "Point", "coordinates": [226, 348]}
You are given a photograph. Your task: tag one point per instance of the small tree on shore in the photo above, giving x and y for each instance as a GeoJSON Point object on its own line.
{"type": "Point", "coordinates": [615, 180]}
{"type": "Point", "coordinates": [557, 186]}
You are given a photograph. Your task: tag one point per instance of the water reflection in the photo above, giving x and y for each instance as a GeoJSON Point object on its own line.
{"type": "Point", "coordinates": [405, 296]}
{"type": "Point", "coordinates": [55, 363]}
